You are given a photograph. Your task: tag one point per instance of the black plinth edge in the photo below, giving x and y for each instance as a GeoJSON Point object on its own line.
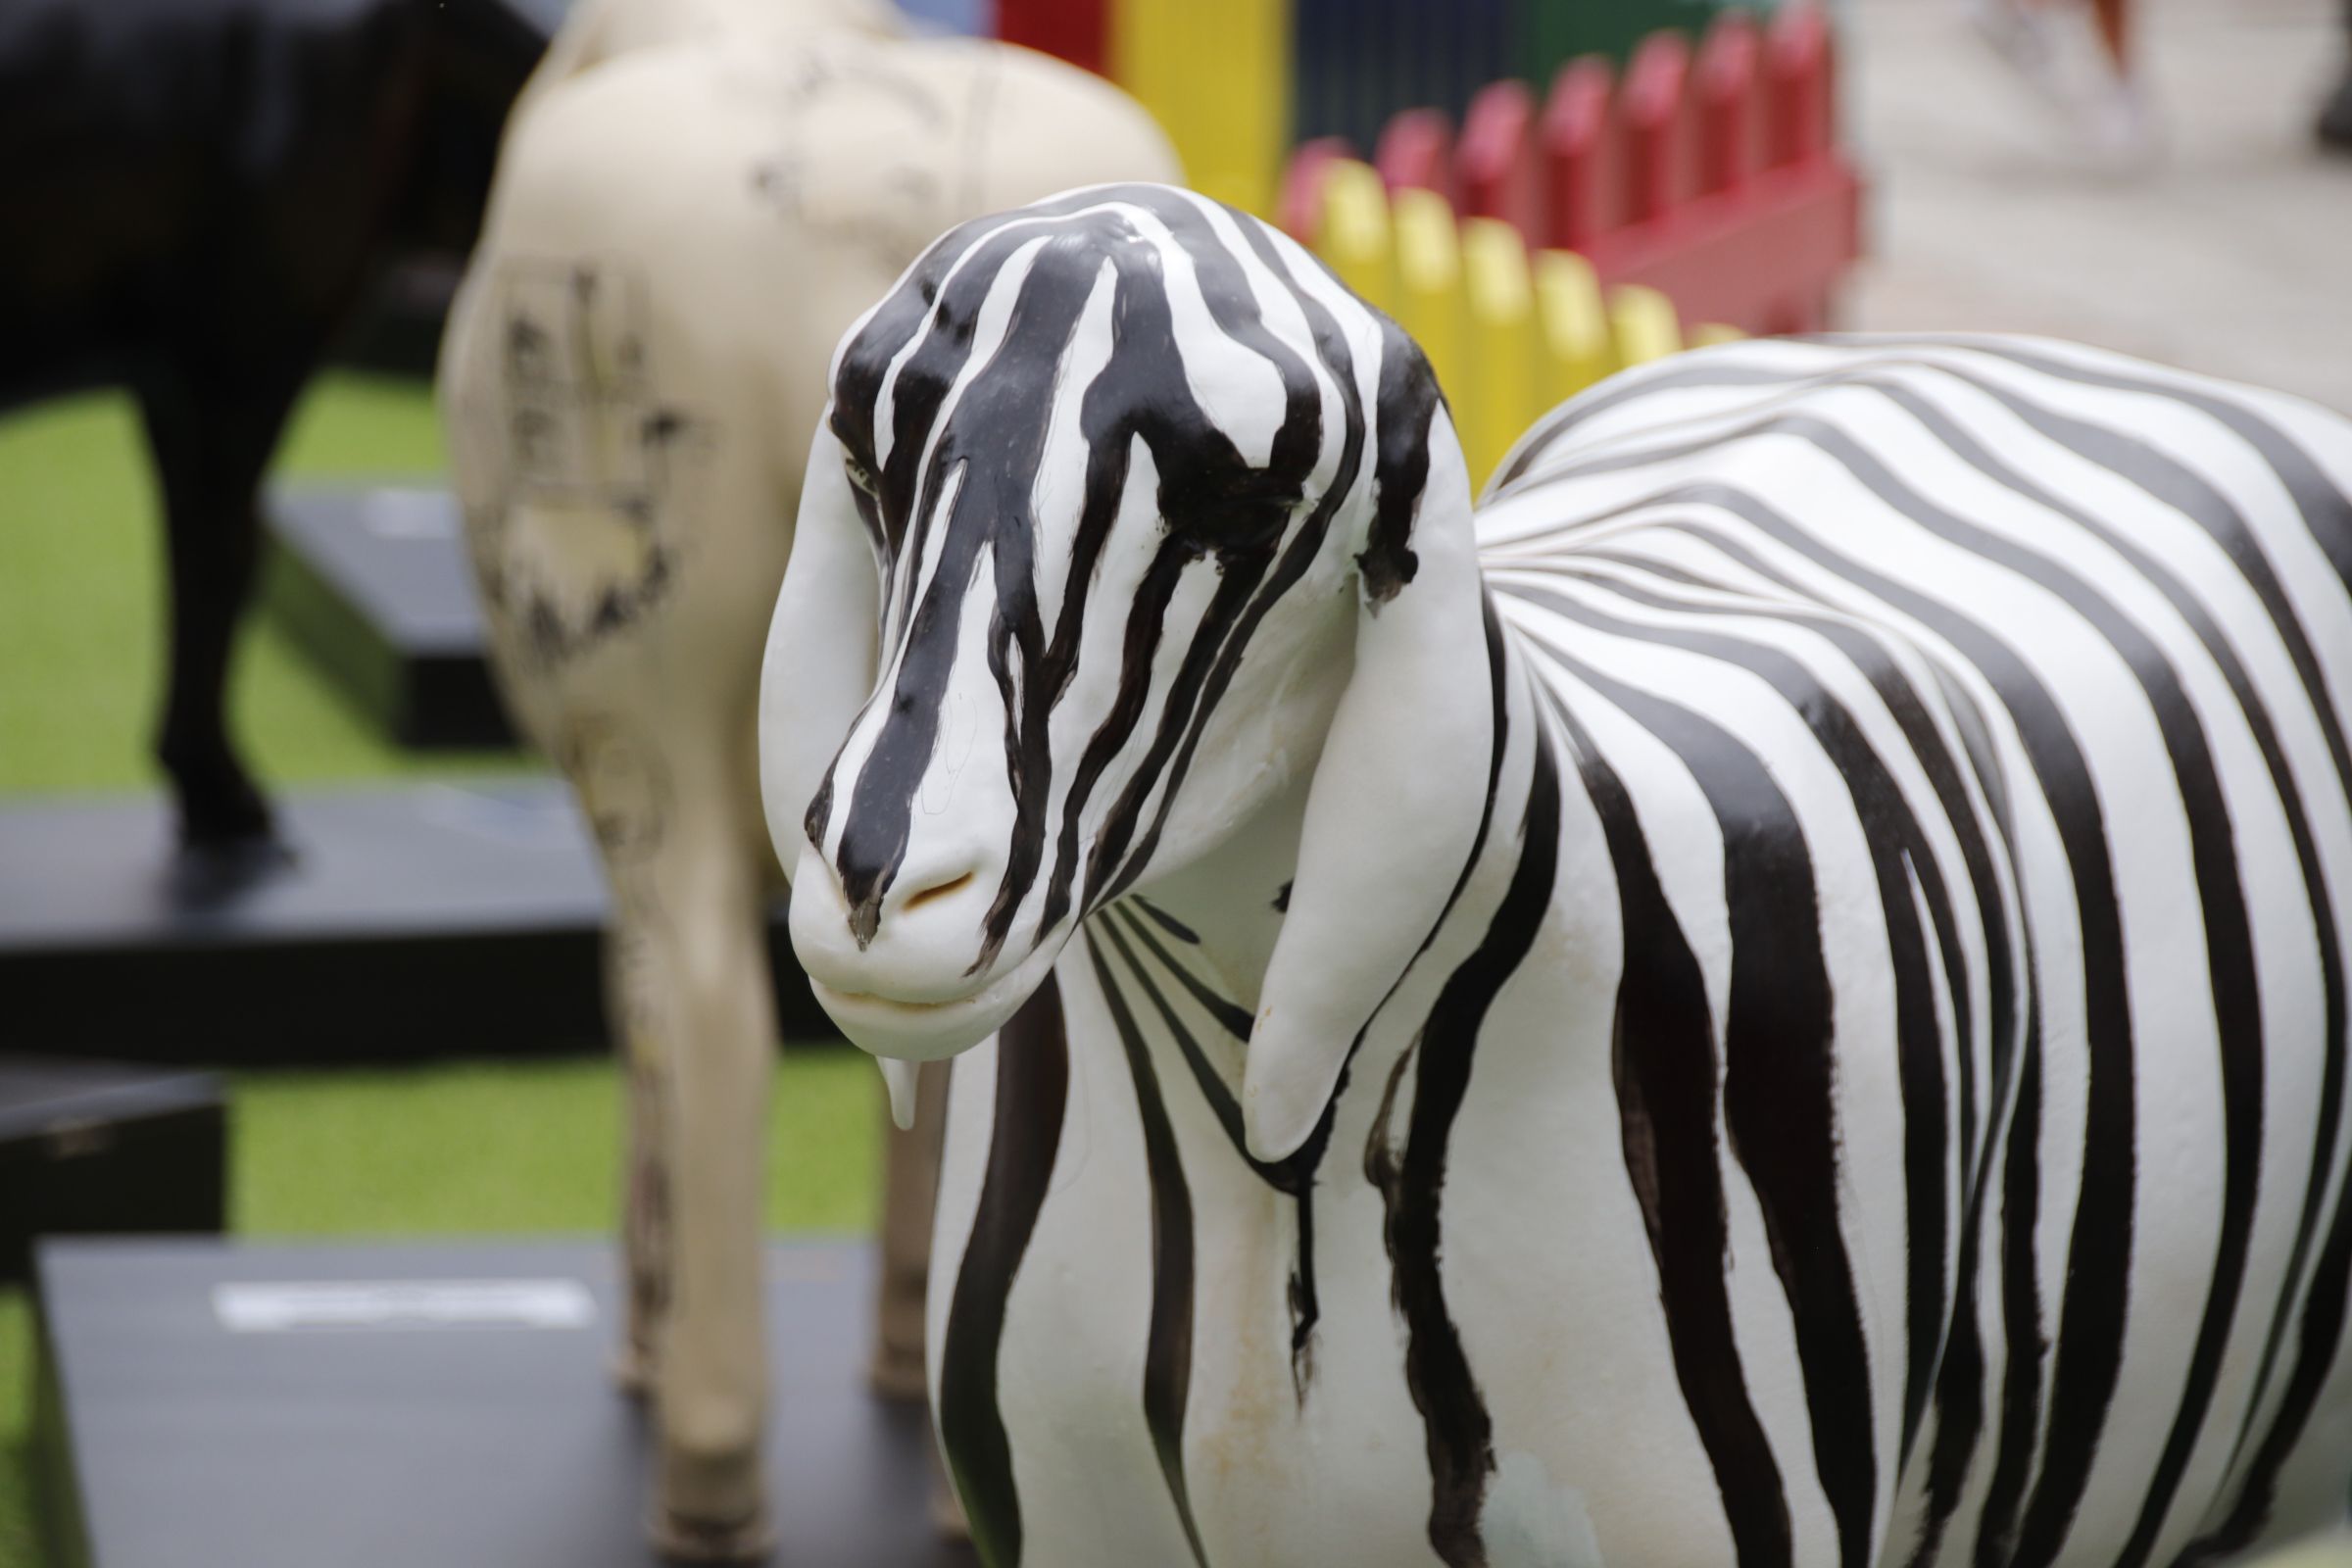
{"type": "Point", "coordinates": [412, 922]}
{"type": "Point", "coordinates": [371, 581]}
{"type": "Point", "coordinates": [103, 1148]}
{"type": "Point", "coordinates": [190, 1420]}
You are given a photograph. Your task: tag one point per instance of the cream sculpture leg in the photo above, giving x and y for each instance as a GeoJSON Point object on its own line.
{"type": "Point", "coordinates": [594, 524]}
{"type": "Point", "coordinates": [679, 234]}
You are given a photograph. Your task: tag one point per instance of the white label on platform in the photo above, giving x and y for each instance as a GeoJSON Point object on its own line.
{"type": "Point", "coordinates": [270, 1308]}
{"type": "Point", "coordinates": [399, 514]}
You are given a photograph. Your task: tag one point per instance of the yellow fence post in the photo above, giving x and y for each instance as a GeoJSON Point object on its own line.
{"type": "Point", "coordinates": [1643, 324]}
{"type": "Point", "coordinates": [1501, 354]}
{"type": "Point", "coordinates": [1508, 338]}
{"type": "Point", "coordinates": [1352, 234]}
{"type": "Point", "coordinates": [1429, 288]}
{"type": "Point", "coordinates": [1572, 346]}
{"type": "Point", "coordinates": [1216, 73]}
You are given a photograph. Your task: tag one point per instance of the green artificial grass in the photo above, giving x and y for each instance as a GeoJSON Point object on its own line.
{"type": "Point", "coordinates": [500, 1148]}
{"type": "Point", "coordinates": [442, 1150]}
{"type": "Point", "coordinates": [83, 614]}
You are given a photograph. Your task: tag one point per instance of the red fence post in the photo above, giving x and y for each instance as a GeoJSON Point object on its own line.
{"type": "Point", "coordinates": [1299, 207]}
{"type": "Point", "coordinates": [1497, 159]}
{"type": "Point", "coordinates": [1578, 145]}
{"type": "Point", "coordinates": [1076, 30]}
{"type": "Point", "coordinates": [1803, 91]}
{"type": "Point", "coordinates": [1416, 152]}
{"type": "Point", "coordinates": [1660, 136]}
{"type": "Point", "coordinates": [1733, 123]}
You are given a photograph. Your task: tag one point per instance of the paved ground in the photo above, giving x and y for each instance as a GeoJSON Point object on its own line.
{"type": "Point", "coordinates": [2232, 255]}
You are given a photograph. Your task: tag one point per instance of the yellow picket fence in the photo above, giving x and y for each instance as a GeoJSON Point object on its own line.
{"type": "Point", "coordinates": [1216, 74]}
{"type": "Point", "coordinates": [1509, 336]}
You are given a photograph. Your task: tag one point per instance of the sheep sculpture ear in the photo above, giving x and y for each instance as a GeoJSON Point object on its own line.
{"type": "Point", "coordinates": [1394, 804]}
{"type": "Point", "coordinates": [822, 646]}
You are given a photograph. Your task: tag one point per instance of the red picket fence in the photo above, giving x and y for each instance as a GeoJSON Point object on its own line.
{"type": "Point", "coordinates": [1711, 176]}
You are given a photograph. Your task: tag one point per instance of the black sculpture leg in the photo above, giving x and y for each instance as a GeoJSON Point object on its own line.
{"type": "Point", "coordinates": [212, 438]}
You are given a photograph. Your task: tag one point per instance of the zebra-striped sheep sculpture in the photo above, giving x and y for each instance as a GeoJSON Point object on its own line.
{"type": "Point", "coordinates": [692, 201]}
{"type": "Point", "coordinates": [1775, 995]}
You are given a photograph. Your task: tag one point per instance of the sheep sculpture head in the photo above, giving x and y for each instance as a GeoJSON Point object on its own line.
{"type": "Point", "coordinates": [1126, 518]}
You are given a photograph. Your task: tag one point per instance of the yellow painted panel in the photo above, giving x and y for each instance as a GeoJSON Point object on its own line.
{"type": "Point", "coordinates": [1353, 234]}
{"type": "Point", "coordinates": [1574, 348]}
{"type": "Point", "coordinates": [1429, 286]}
{"type": "Point", "coordinates": [1643, 324]}
{"type": "Point", "coordinates": [1216, 74]}
{"type": "Point", "coordinates": [1503, 393]}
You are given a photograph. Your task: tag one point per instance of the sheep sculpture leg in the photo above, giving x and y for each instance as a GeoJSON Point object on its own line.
{"type": "Point", "coordinates": [608, 520]}
{"type": "Point", "coordinates": [699, 1034]}
{"type": "Point", "coordinates": [211, 435]}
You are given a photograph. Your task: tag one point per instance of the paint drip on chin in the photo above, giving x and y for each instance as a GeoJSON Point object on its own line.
{"type": "Point", "coordinates": [899, 1077]}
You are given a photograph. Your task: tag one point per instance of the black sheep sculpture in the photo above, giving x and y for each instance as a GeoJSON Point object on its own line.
{"type": "Point", "coordinates": [194, 194]}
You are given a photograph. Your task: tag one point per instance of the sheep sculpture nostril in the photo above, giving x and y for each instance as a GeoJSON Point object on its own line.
{"type": "Point", "coordinates": [932, 895]}
{"type": "Point", "coordinates": [865, 916]}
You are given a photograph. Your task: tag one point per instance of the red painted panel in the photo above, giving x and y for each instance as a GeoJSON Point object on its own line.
{"type": "Point", "coordinates": [1496, 162]}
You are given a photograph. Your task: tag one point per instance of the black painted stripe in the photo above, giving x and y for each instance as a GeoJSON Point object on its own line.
{"type": "Point", "coordinates": [2327, 515]}
{"type": "Point", "coordinates": [1168, 1344]}
{"type": "Point", "coordinates": [1662, 1061]}
{"type": "Point", "coordinates": [2096, 1293]}
{"type": "Point", "coordinates": [1959, 1392]}
{"type": "Point", "coordinates": [1169, 923]}
{"type": "Point", "coordinates": [2091, 1341]}
{"type": "Point", "coordinates": [1033, 1072]}
{"type": "Point", "coordinates": [1399, 352]}
{"type": "Point", "coordinates": [1211, 500]}
{"type": "Point", "coordinates": [1901, 855]}
{"type": "Point", "coordinates": [2314, 1358]}
{"type": "Point", "coordinates": [1240, 512]}
{"type": "Point", "coordinates": [1459, 1430]}
{"type": "Point", "coordinates": [2024, 1346]}
{"type": "Point", "coordinates": [2241, 1043]}
{"type": "Point", "coordinates": [1215, 1092]}
{"type": "Point", "coordinates": [1779, 1069]}
{"type": "Point", "coordinates": [1229, 1016]}
{"type": "Point", "coordinates": [995, 444]}
{"type": "Point", "coordinates": [2094, 1354]}
{"type": "Point", "coordinates": [1294, 1177]}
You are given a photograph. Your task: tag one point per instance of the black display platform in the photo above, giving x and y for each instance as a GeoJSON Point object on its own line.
{"type": "Point", "coordinates": [371, 582]}
{"type": "Point", "coordinates": [415, 1426]}
{"type": "Point", "coordinates": [90, 1147]}
{"type": "Point", "coordinates": [415, 923]}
